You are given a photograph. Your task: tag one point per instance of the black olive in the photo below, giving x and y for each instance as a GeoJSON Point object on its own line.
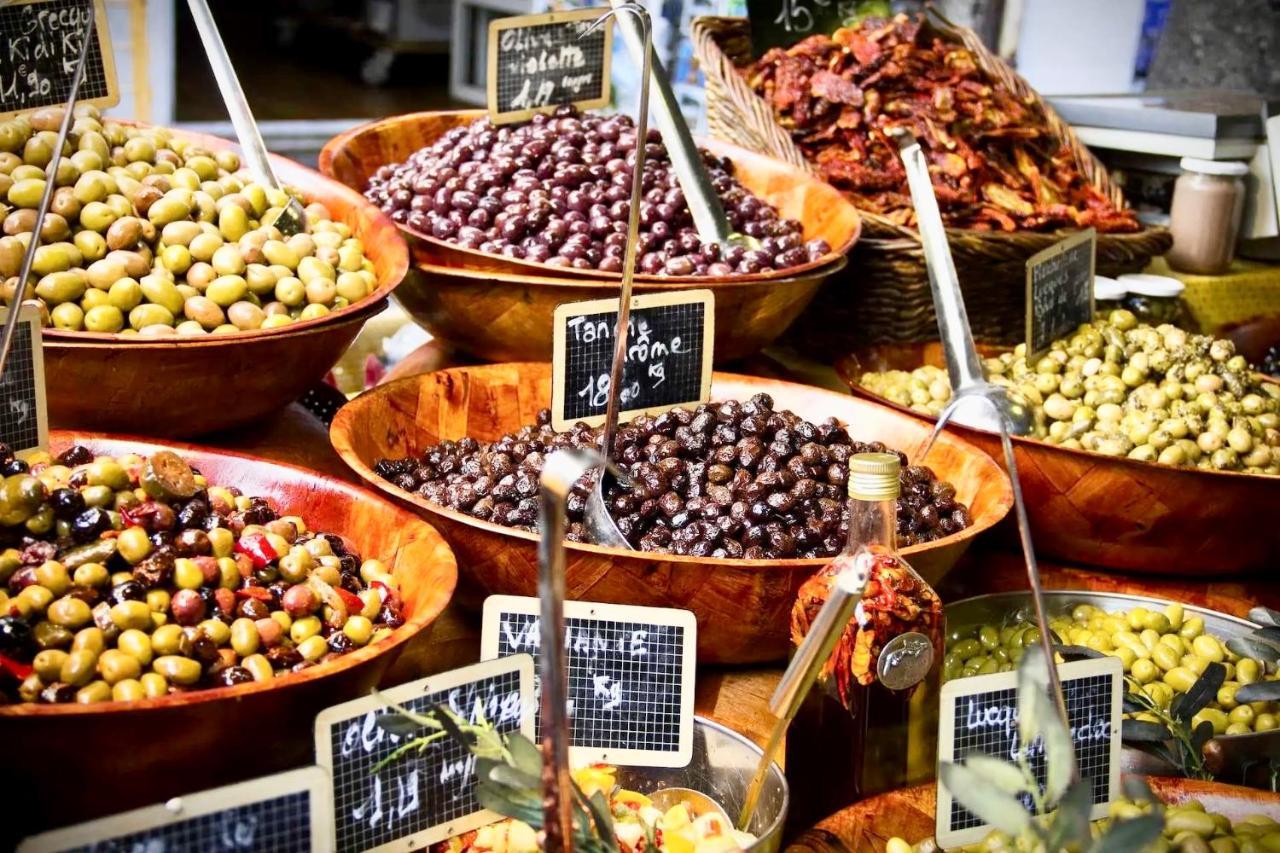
{"type": "Point", "coordinates": [340, 643]}
{"type": "Point", "coordinates": [233, 675]}
{"type": "Point", "coordinates": [193, 514]}
{"type": "Point", "coordinates": [16, 639]}
{"type": "Point", "coordinates": [128, 591]}
{"type": "Point", "coordinates": [14, 466]}
{"type": "Point", "coordinates": [66, 503]}
{"type": "Point", "coordinates": [86, 526]}
{"type": "Point", "coordinates": [75, 455]}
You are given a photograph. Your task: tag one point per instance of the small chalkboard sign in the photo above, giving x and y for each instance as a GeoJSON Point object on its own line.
{"type": "Point", "coordinates": [980, 714]}
{"type": "Point", "coordinates": [782, 23]}
{"type": "Point", "coordinates": [631, 675]}
{"type": "Point", "coordinates": [285, 812]}
{"type": "Point", "coordinates": [1060, 289]}
{"type": "Point", "coordinates": [424, 796]}
{"type": "Point", "coordinates": [24, 413]}
{"type": "Point", "coordinates": [42, 46]}
{"type": "Point", "coordinates": [668, 363]}
{"type": "Point", "coordinates": [539, 62]}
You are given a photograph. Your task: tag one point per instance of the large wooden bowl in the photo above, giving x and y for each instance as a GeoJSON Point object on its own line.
{"type": "Point", "coordinates": [354, 156]}
{"type": "Point", "coordinates": [184, 387]}
{"type": "Point", "coordinates": [505, 317]}
{"type": "Point", "coordinates": [83, 761]}
{"type": "Point", "coordinates": [866, 827]}
{"type": "Point", "coordinates": [742, 606]}
{"type": "Point", "coordinates": [1118, 513]}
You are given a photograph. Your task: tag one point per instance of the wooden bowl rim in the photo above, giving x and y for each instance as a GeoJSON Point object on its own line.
{"type": "Point", "coordinates": [283, 167]}
{"type": "Point", "coordinates": [340, 438]}
{"type": "Point", "coordinates": [1135, 467]}
{"type": "Point", "coordinates": [714, 284]}
{"type": "Point", "coordinates": [406, 520]}
{"type": "Point", "coordinates": [535, 268]}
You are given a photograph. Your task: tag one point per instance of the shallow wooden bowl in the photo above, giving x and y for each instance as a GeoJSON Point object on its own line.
{"type": "Point", "coordinates": [505, 317]}
{"type": "Point", "coordinates": [354, 156]}
{"type": "Point", "coordinates": [83, 761]}
{"type": "Point", "coordinates": [1117, 513]}
{"type": "Point", "coordinates": [742, 606]}
{"type": "Point", "coordinates": [184, 387]}
{"type": "Point", "coordinates": [866, 827]}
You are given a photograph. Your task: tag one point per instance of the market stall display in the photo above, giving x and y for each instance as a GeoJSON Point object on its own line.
{"type": "Point", "coordinates": [145, 730]}
{"type": "Point", "coordinates": [409, 415]}
{"type": "Point", "coordinates": [972, 113]}
{"type": "Point", "coordinates": [101, 379]}
{"type": "Point", "coordinates": [507, 315]}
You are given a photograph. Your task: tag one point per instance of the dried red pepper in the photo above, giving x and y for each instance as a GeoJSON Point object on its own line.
{"type": "Point", "coordinates": [257, 548]}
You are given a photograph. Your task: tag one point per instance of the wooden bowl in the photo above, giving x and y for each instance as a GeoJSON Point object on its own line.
{"type": "Point", "coordinates": [132, 754]}
{"type": "Point", "coordinates": [354, 156]}
{"type": "Point", "coordinates": [1117, 513]}
{"type": "Point", "coordinates": [742, 606]}
{"type": "Point", "coordinates": [866, 827]}
{"type": "Point", "coordinates": [505, 317]}
{"type": "Point", "coordinates": [135, 385]}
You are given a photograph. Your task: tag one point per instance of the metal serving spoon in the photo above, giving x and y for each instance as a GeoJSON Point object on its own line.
{"type": "Point", "coordinates": [291, 219]}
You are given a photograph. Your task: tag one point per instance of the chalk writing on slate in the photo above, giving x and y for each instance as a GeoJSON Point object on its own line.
{"type": "Point", "coordinates": [1060, 290]}
{"type": "Point", "coordinates": [980, 714]}
{"type": "Point", "coordinates": [539, 62]}
{"type": "Point", "coordinates": [42, 46]}
{"type": "Point", "coordinates": [668, 361]}
{"type": "Point", "coordinates": [782, 23]}
{"type": "Point", "coordinates": [280, 813]}
{"type": "Point", "coordinates": [24, 416]}
{"type": "Point", "coordinates": [424, 797]}
{"type": "Point", "coordinates": [631, 675]}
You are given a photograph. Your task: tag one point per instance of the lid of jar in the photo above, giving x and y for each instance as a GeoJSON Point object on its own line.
{"type": "Point", "coordinates": [1145, 284]}
{"type": "Point", "coordinates": [1229, 168]}
{"type": "Point", "coordinates": [1108, 288]}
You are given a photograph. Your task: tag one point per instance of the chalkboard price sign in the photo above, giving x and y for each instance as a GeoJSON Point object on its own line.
{"type": "Point", "coordinates": [631, 675]}
{"type": "Point", "coordinates": [668, 362]}
{"type": "Point", "coordinates": [980, 714]}
{"type": "Point", "coordinates": [539, 62]}
{"type": "Point", "coordinates": [288, 811]}
{"type": "Point", "coordinates": [24, 414]}
{"type": "Point", "coordinates": [424, 796]}
{"type": "Point", "coordinates": [782, 23]}
{"type": "Point", "coordinates": [42, 45]}
{"type": "Point", "coordinates": [1060, 289]}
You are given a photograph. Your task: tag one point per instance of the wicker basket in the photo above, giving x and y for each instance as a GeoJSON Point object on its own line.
{"type": "Point", "coordinates": [884, 296]}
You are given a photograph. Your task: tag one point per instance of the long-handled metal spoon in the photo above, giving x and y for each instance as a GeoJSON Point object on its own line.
{"type": "Point", "coordinates": [291, 219]}
{"type": "Point", "coordinates": [50, 182]}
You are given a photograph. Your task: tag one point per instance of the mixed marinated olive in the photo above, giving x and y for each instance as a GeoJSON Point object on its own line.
{"type": "Point", "coordinates": [149, 234]}
{"type": "Point", "coordinates": [1121, 388]}
{"type": "Point", "coordinates": [1163, 653]}
{"type": "Point", "coordinates": [731, 479]}
{"type": "Point", "coordinates": [557, 190]}
{"type": "Point", "coordinates": [1188, 827]}
{"type": "Point", "coordinates": [128, 578]}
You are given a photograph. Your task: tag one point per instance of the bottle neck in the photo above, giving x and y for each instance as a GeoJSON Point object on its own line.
{"type": "Point", "coordinates": [872, 523]}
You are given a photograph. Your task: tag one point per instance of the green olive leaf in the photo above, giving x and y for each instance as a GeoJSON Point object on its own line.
{"type": "Point", "coordinates": [1033, 680]}
{"type": "Point", "coordinates": [1205, 690]}
{"type": "Point", "coordinates": [1269, 635]}
{"type": "Point", "coordinates": [990, 804]}
{"type": "Point", "coordinates": [512, 777]}
{"type": "Point", "coordinates": [524, 754]}
{"type": "Point", "coordinates": [1071, 819]}
{"type": "Point", "coordinates": [1059, 752]}
{"type": "Point", "coordinates": [1258, 691]}
{"type": "Point", "coordinates": [1136, 833]}
{"type": "Point", "coordinates": [1136, 788]}
{"type": "Point", "coordinates": [1142, 731]}
{"type": "Point", "coordinates": [1009, 778]}
{"type": "Point", "coordinates": [1134, 703]}
{"type": "Point", "coordinates": [1252, 647]}
{"type": "Point", "coordinates": [1265, 616]}
{"type": "Point", "coordinates": [1201, 735]}
{"type": "Point", "coordinates": [394, 724]}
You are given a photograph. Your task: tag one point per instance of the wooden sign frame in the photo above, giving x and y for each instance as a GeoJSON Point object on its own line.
{"type": "Point", "coordinates": [959, 688]}
{"type": "Point", "coordinates": [522, 665]}
{"type": "Point", "coordinates": [29, 315]}
{"type": "Point", "coordinates": [312, 780]}
{"type": "Point", "coordinates": [496, 28]}
{"type": "Point", "coordinates": [103, 29]}
{"type": "Point", "coordinates": [559, 344]}
{"type": "Point", "coordinates": [495, 605]}
{"type": "Point", "coordinates": [1089, 235]}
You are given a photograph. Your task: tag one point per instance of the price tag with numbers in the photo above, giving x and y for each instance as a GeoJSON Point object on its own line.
{"type": "Point", "coordinates": [782, 23]}
{"type": "Point", "coordinates": [24, 413]}
{"type": "Point", "coordinates": [668, 362]}
{"type": "Point", "coordinates": [41, 46]}
{"type": "Point", "coordinates": [539, 62]}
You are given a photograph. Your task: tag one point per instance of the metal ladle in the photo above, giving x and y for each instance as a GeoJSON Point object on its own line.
{"type": "Point", "coordinates": [291, 219]}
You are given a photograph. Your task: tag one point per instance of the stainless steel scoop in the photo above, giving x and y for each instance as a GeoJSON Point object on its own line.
{"type": "Point", "coordinates": [291, 219]}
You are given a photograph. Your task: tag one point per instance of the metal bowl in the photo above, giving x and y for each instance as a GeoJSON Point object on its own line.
{"type": "Point", "coordinates": [722, 766]}
{"type": "Point", "coordinates": [1238, 753]}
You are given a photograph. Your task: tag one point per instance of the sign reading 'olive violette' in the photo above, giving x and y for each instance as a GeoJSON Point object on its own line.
{"type": "Point", "coordinates": [41, 47]}
{"type": "Point", "coordinates": [1060, 290]}
{"type": "Point", "coordinates": [540, 62]}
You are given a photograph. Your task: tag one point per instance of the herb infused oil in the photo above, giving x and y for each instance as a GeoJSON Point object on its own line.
{"type": "Point", "coordinates": [870, 723]}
